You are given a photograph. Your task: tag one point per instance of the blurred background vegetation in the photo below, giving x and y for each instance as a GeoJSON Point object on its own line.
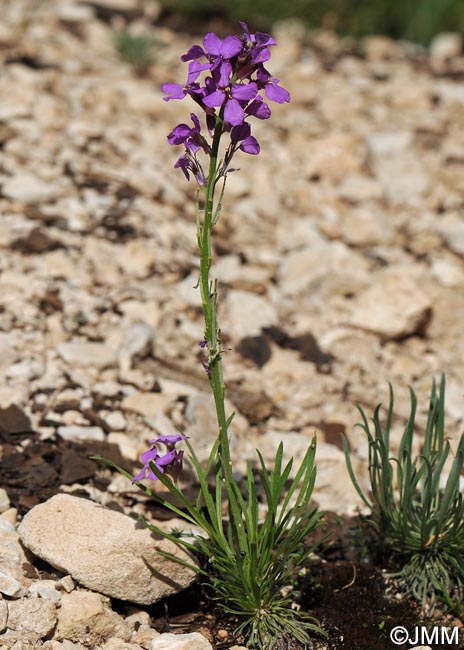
{"type": "Point", "coordinates": [414, 20]}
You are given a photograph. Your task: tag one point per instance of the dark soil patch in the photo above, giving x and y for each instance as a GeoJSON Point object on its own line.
{"type": "Point", "coordinates": [349, 600]}
{"type": "Point", "coordinates": [357, 605]}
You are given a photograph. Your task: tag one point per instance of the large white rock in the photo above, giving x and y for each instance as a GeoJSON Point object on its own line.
{"type": "Point", "coordinates": [87, 354]}
{"type": "Point", "coordinates": [443, 47]}
{"type": "Point", "coordinates": [393, 307]}
{"type": "Point", "coordinates": [104, 550]}
{"type": "Point", "coordinates": [399, 170]}
{"type": "Point", "coordinates": [192, 641]}
{"type": "Point", "coordinates": [244, 314]}
{"type": "Point", "coordinates": [451, 228]}
{"type": "Point", "coordinates": [28, 188]}
{"type": "Point", "coordinates": [75, 432]}
{"type": "Point", "coordinates": [315, 270]}
{"type": "Point", "coordinates": [138, 342]}
{"type": "Point", "coordinates": [203, 429]}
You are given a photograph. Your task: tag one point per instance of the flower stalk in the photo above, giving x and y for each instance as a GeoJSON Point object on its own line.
{"type": "Point", "coordinates": [251, 557]}
{"type": "Point", "coordinates": [208, 291]}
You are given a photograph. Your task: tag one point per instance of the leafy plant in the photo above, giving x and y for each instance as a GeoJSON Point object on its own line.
{"type": "Point", "coordinates": [251, 560]}
{"type": "Point", "coordinates": [417, 514]}
{"type": "Point", "coordinates": [252, 556]}
{"type": "Point", "coordinates": [135, 50]}
{"type": "Point", "coordinates": [416, 20]}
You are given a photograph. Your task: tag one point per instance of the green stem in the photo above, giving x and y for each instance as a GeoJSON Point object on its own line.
{"type": "Point", "coordinates": [208, 292]}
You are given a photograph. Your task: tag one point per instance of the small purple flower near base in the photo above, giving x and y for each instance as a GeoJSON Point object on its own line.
{"type": "Point", "coordinates": [168, 463]}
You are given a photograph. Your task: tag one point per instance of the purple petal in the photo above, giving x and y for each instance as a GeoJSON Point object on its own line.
{"type": "Point", "coordinates": [211, 124]}
{"type": "Point", "coordinates": [196, 122]}
{"type": "Point", "coordinates": [176, 466]}
{"type": "Point", "coordinates": [183, 163]}
{"type": "Point", "coordinates": [162, 461]}
{"type": "Point", "coordinates": [214, 99]}
{"type": "Point", "coordinates": [225, 70]}
{"type": "Point", "coordinates": [246, 31]}
{"type": "Point", "coordinates": [179, 134]}
{"type": "Point", "coordinates": [258, 108]}
{"type": "Point", "coordinates": [231, 46]}
{"type": "Point", "coordinates": [250, 145]}
{"type": "Point", "coordinates": [140, 476]}
{"type": "Point", "coordinates": [212, 44]}
{"type": "Point", "coordinates": [199, 177]}
{"type": "Point", "coordinates": [264, 39]}
{"type": "Point", "coordinates": [233, 112]}
{"type": "Point", "coordinates": [240, 132]}
{"type": "Point", "coordinates": [195, 69]}
{"type": "Point", "coordinates": [148, 455]}
{"type": "Point", "coordinates": [175, 91]}
{"type": "Point", "coordinates": [276, 93]}
{"type": "Point", "coordinates": [151, 474]}
{"type": "Point", "coordinates": [192, 146]}
{"type": "Point", "coordinates": [170, 439]}
{"type": "Point", "coordinates": [260, 54]}
{"type": "Point", "coordinates": [195, 52]}
{"type": "Point", "coordinates": [262, 75]}
{"type": "Point", "coordinates": [244, 92]}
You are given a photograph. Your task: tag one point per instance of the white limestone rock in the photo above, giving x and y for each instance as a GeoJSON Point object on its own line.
{"type": "Point", "coordinates": [87, 354]}
{"type": "Point", "coordinates": [78, 536]}
{"type": "Point", "coordinates": [192, 641]}
{"type": "Point", "coordinates": [32, 615]}
{"type": "Point", "coordinates": [394, 307]}
{"type": "Point", "coordinates": [87, 618]}
{"type": "Point", "coordinates": [138, 342]}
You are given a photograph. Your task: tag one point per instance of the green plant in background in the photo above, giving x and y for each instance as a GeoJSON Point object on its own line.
{"type": "Point", "coordinates": [416, 20]}
{"type": "Point", "coordinates": [418, 513]}
{"type": "Point", "coordinates": [250, 556]}
{"type": "Point", "coordinates": [135, 50]}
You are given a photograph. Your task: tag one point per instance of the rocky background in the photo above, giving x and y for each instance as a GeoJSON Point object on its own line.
{"type": "Point", "coordinates": [340, 258]}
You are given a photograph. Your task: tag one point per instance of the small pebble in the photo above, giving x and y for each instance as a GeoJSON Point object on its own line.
{"type": "Point", "coordinates": [4, 500]}
{"type": "Point", "coordinates": [116, 421]}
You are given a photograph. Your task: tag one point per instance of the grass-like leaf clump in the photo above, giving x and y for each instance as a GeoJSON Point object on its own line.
{"type": "Point", "coordinates": [417, 507]}
{"type": "Point", "coordinates": [252, 556]}
{"type": "Point", "coordinates": [135, 50]}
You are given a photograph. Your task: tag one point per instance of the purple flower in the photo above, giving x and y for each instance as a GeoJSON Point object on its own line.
{"type": "Point", "coordinates": [240, 94]}
{"type": "Point", "coordinates": [225, 49]}
{"type": "Point", "coordinates": [273, 91]}
{"type": "Point", "coordinates": [276, 93]}
{"type": "Point", "coordinates": [188, 163]}
{"type": "Point", "coordinates": [258, 108]}
{"type": "Point", "coordinates": [194, 53]}
{"type": "Point", "coordinates": [169, 463]}
{"type": "Point", "coordinates": [242, 134]}
{"type": "Point", "coordinates": [178, 91]}
{"type": "Point", "coordinates": [232, 91]}
{"type": "Point", "coordinates": [190, 136]}
{"type": "Point", "coordinates": [220, 52]}
{"type": "Point", "coordinates": [170, 440]}
{"type": "Point", "coordinates": [174, 91]}
{"type": "Point", "coordinates": [259, 44]}
{"type": "Point", "coordinates": [206, 367]}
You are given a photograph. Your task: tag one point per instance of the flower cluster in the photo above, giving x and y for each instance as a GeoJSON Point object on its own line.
{"type": "Point", "coordinates": [230, 95]}
{"type": "Point", "coordinates": [169, 463]}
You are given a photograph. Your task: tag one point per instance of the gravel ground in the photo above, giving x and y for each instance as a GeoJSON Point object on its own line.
{"type": "Point", "coordinates": [340, 252]}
